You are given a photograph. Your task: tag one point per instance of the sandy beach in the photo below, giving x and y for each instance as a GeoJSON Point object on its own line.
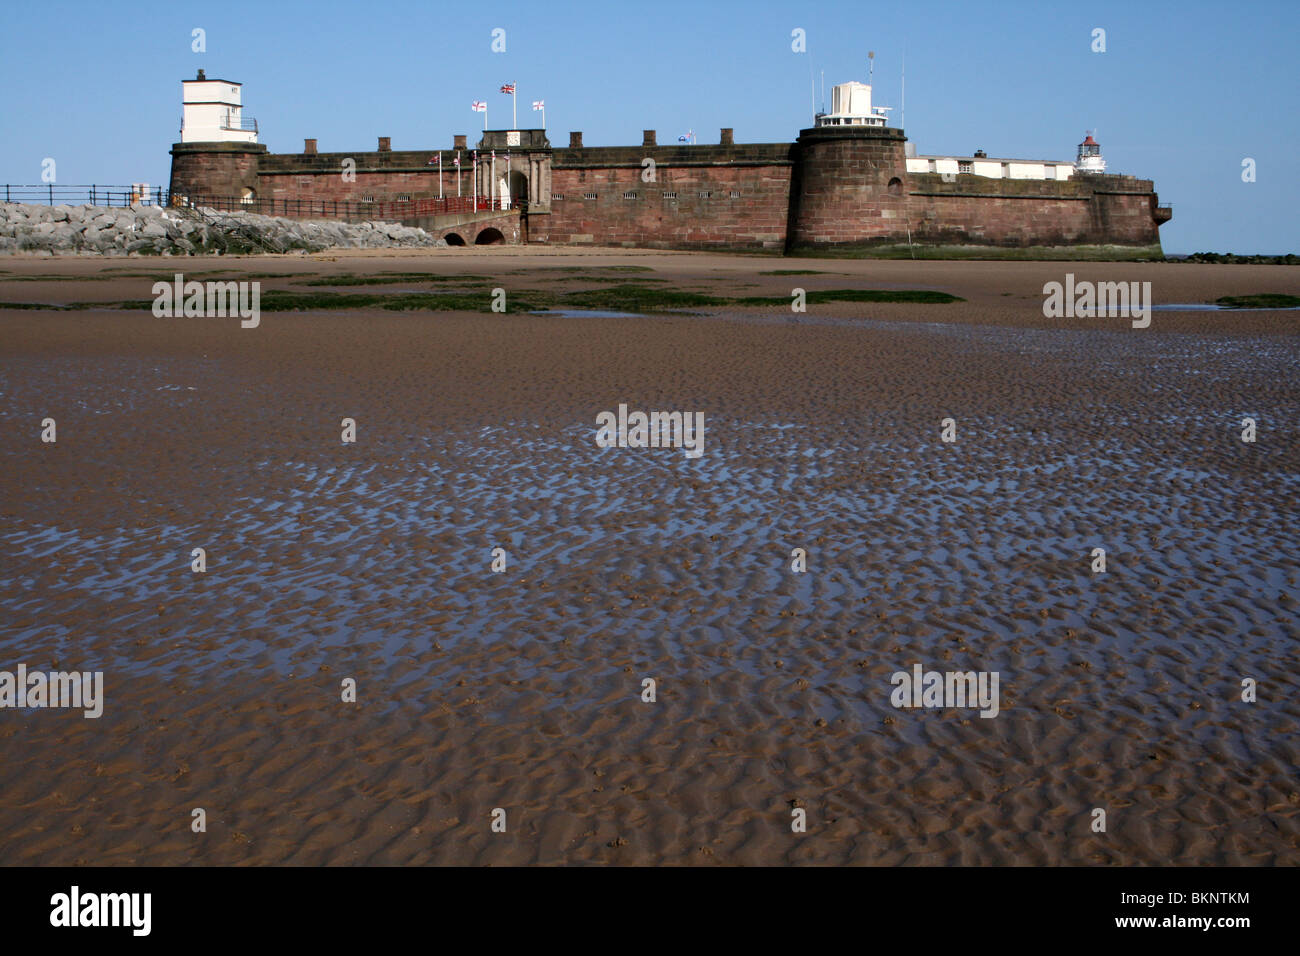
{"type": "Point", "coordinates": [522, 690]}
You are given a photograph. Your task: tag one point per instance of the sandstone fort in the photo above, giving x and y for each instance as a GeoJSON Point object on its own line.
{"type": "Point", "coordinates": [849, 185]}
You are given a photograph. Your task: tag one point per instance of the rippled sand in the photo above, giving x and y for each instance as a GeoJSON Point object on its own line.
{"type": "Point", "coordinates": [522, 690]}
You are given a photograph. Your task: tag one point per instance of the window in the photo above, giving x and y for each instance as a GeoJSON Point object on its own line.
{"type": "Point", "coordinates": [403, 198]}
{"type": "Point", "coordinates": [735, 194]}
{"type": "Point", "coordinates": [367, 198]}
{"type": "Point", "coordinates": [965, 166]}
{"type": "Point", "coordinates": [671, 195]}
{"type": "Point", "coordinates": [588, 195]}
{"type": "Point", "coordinates": [705, 194]}
{"type": "Point", "coordinates": [630, 195]}
{"type": "Point", "coordinates": [557, 197]}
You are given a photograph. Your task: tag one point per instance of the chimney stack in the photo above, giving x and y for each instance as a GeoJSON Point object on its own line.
{"type": "Point", "coordinates": [648, 137]}
{"type": "Point", "coordinates": [309, 147]}
{"type": "Point", "coordinates": [385, 144]}
{"type": "Point", "coordinates": [728, 136]}
{"type": "Point", "coordinates": [575, 141]}
{"type": "Point", "coordinates": [459, 143]}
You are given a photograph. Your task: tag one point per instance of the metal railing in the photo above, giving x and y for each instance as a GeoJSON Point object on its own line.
{"type": "Point", "coordinates": [92, 195]}
{"type": "Point", "coordinates": [243, 123]}
{"type": "Point", "coordinates": [347, 210]}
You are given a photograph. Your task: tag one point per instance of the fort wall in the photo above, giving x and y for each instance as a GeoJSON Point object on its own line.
{"type": "Point", "coordinates": [723, 196]}
{"type": "Point", "coordinates": [374, 175]}
{"type": "Point", "coordinates": [837, 190]}
{"type": "Point", "coordinates": [1087, 209]}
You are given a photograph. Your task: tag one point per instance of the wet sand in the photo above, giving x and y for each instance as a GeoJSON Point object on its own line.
{"type": "Point", "coordinates": [521, 690]}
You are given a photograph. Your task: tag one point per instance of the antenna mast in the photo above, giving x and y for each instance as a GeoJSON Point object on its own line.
{"type": "Point", "coordinates": [812, 88]}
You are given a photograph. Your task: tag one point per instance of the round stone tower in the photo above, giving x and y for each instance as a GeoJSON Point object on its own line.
{"type": "Point", "coordinates": [852, 188]}
{"type": "Point", "coordinates": [216, 170]}
{"type": "Point", "coordinates": [218, 155]}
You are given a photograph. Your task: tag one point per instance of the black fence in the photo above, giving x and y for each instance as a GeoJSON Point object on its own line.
{"type": "Point", "coordinates": [92, 195]}
{"type": "Point", "coordinates": [347, 210]}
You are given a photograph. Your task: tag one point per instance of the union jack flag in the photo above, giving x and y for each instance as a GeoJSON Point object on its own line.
{"type": "Point", "coordinates": [508, 88]}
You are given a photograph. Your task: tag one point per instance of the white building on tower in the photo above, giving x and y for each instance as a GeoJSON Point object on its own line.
{"type": "Point", "coordinates": [213, 113]}
{"type": "Point", "coordinates": [851, 106]}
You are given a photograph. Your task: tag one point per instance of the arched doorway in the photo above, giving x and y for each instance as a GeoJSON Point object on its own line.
{"type": "Point", "coordinates": [454, 239]}
{"type": "Point", "coordinates": [489, 237]}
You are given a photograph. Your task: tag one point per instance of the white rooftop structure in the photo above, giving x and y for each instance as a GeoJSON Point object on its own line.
{"type": "Point", "coordinates": [213, 113]}
{"type": "Point", "coordinates": [851, 106]}
{"type": "Point", "coordinates": [992, 168]}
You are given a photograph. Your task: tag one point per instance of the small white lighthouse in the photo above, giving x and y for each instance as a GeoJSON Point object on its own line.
{"type": "Point", "coordinates": [1089, 159]}
{"type": "Point", "coordinates": [213, 113]}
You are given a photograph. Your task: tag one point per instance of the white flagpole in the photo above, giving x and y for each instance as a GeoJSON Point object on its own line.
{"type": "Point", "coordinates": [474, 180]}
{"type": "Point", "coordinates": [439, 174]}
{"type": "Point", "coordinates": [514, 104]}
{"type": "Point", "coordinates": [459, 172]}
{"type": "Point", "coordinates": [492, 183]}
{"type": "Point", "coordinates": [485, 115]}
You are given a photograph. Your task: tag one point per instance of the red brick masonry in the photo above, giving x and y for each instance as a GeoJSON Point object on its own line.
{"type": "Point", "coordinates": [834, 189]}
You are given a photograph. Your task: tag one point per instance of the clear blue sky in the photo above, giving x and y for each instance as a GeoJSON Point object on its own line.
{"type": "Point", "coordinates": [1184, 92]}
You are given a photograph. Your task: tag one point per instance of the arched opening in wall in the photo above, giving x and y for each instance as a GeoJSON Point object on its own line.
{"type": "Point", "coordinates": [454, 239]}
{"type": "Point", "coordinates": [489, 237]}
{"type": "Point", "coordinates": [518, 189]}
{"type": "Point", "coordinates": [247, 195]}
{"type": "Point", "coordinates": [895, 187]}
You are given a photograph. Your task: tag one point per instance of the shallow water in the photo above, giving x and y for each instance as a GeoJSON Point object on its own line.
{"type": "Point", "coordinates": [375, 560]}
{"type": "Point", "coordinates": [346, 549]}
{"type": "Point", "coordinates": [1215, 307]}
{"type": "Point", "coordinates": [587, 314]}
